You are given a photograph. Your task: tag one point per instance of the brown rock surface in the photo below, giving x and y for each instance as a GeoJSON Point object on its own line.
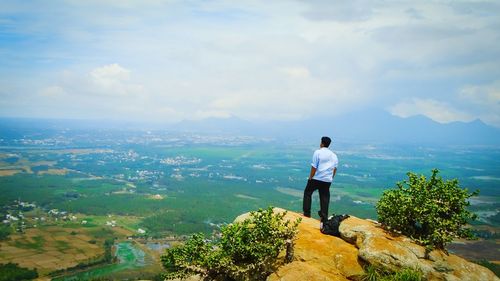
{"type": "Point", "coordinates": [317, 256]}
{"type": "Point", "coordinates": [380, 248]}
{"type": "Point", "coordinates": [324, 257]}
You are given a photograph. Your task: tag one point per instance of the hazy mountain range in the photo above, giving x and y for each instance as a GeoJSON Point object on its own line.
{"type": "Point", "coordinates": [366, 126]}
{"type": "Point", "coordinates": [363, 126]}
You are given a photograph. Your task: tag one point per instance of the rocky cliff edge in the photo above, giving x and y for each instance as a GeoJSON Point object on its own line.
{"type": "Point", "coordinates": [362, 242]}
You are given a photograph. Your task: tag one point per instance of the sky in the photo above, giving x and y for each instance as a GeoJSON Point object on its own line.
{"type": "Point", "coordinates": [166, 61]}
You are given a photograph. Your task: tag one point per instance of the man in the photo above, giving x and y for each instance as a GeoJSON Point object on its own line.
{"type": "Point", "coordinates": [323, 169]}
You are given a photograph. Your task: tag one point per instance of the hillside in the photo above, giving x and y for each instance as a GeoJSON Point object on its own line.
{"type": "Point", "coordinates": [363, 242]}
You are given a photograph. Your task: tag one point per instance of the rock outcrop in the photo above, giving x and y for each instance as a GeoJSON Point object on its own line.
{"type": "Point", "coordinates": [378, 247]}
{"type": "Point", "coordinates": [362, 242]}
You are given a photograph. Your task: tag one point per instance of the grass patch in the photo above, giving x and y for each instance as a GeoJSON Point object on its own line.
{"type": "Point", "coordinates": [37, 243]}
{"type": "Point", "coordinates": [62, 245]}
{"type": "Point", "coordinates": [374, 273]}
{"type": "Point", "coordinates": [101, 233]}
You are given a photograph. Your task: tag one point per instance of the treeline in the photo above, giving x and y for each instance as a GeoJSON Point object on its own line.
{"type": "Point", "coordinates": [13, 272]}
{"type": "Point", "coordinates": [118, 204]}
{"type": "Point", "coordinates": [30, 188]}
{"type": "Point", "coordinates": [94, 279]}
{"type": "Point", "coordinates": [104, 259]}
{"type": "Point", "coordinates": [174, 221]}
{"type": "Point", "coordinates": [486, 234]}
{"type": "Point", "coordinates": [4, 232]}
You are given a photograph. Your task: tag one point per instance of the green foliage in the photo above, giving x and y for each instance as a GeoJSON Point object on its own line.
{"type": "Point", "coordinates": [108, 245]}
{"type": "Point", "coordinates": [406, 274]}
{"type": "Point", "coordinates": [5, 231]}
{"type": "Point", "coordinates": [373, 273]}
{"type": "Point", "coordinates": [94, 279]}
{"type": "Point", "coordinates": [12, 272]}
{"type": "Point", "coordinates": [175, 221]}
{"type": "Point", "coordinates": [101, 233]}
{"type": "Point", "coordinates": [246, 250]}
{"type": "Point", "coordinates": [37, 244]}
{"type": "Point", "coordinates": [433, 212]}
{"type": "Point", "coordinates": [119, 204]}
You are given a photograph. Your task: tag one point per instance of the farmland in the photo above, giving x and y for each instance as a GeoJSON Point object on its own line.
{"type": "Point", "coordinates": [51, 248]}
{"type": "Point", "coordinates": [64, 195]}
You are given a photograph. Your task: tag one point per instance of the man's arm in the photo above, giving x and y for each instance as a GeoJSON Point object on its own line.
{"type": "Point", "coordinates": [334, 172]}
{"type": "Point", "coordinates": [313, 171]}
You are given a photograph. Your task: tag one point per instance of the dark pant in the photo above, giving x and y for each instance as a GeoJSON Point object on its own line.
{"type": "Point", "coordinates": [324, 197]}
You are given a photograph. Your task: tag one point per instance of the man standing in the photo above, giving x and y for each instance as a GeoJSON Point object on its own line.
{"type": "Point", "coordinates": [323, 169]}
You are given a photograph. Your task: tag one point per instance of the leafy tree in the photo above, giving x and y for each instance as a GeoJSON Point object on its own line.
{"type": "Point", "coordinates": [433, 211]}
{"type": "Point", "coordinates": [247, 250]}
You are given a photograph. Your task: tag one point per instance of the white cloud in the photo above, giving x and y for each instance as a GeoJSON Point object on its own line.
{"type": "Point", "coordinates": [109, 81]}
{"type": "Point", "coordinates": [485, 100]}
{"type": "Point", "coordinates": [53, 92]}
{"type": "Point", "coordinates": [341, 11]}
{"type": "Point", "coordinates": [112, 79]}
{"type": "Point", "coordinates": [202, 114]}
{"type": "Point", "coordinates": [258, 60]}
{"type": "Point", "coordinates": [436, 110]}
{"type": "Point", "coordinates": [109, 74]}
{"type": "Point", "coordinates": [107, 91]}
{"type": "Point", "coordinates": [297, 72]}
{"type": "Point", "coordinates": [488, 95]}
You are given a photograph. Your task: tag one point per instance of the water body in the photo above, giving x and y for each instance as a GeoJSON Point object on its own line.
{"type": "Point", "coordinates": [129, 257]}
{"type": "Point", "coordinates": [158, 246]}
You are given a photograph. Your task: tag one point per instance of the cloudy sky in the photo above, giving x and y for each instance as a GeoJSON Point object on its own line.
{"type": "Point", "coordinates": [257, 60]}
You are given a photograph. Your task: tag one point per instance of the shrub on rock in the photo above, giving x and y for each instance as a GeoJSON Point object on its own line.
{"type": "Point", "coordinates": [431, 211]}
{"type": "Point", "coordinates": [246, 250]}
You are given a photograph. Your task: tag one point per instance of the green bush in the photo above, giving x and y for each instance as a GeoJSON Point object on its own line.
{"type": "Point", "coordinates": [247, 250]}
{"type": "Point", "coordinates": [433, 212]}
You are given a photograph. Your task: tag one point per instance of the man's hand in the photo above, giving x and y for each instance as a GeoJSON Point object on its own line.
{"type": "Point", "coordinates": [312, 173]}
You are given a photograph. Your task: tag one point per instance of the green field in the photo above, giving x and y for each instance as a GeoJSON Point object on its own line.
{"type": "Point", "coordinates": [212, 184]}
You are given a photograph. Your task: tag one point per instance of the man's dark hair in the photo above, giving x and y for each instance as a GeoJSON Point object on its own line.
{"type": "Point", "coordinates": [326, 141]}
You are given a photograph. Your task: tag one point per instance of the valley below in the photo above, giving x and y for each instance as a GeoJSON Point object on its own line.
{"type": "Point", "coordinates": [84, 204]}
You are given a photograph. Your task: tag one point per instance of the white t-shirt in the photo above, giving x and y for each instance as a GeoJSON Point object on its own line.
{"type": "Point", "coordinates": [324, 160]}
